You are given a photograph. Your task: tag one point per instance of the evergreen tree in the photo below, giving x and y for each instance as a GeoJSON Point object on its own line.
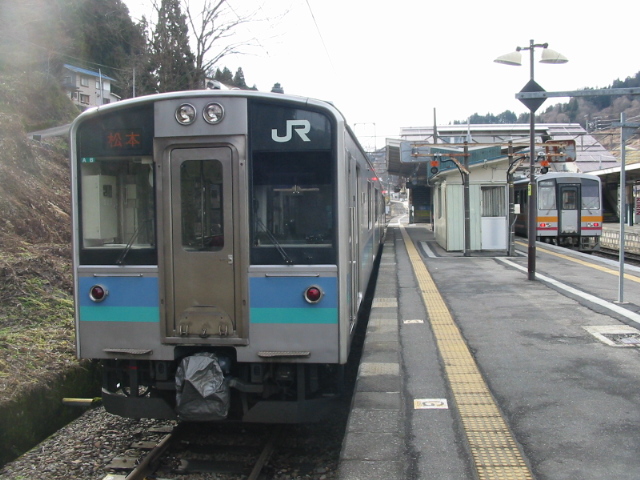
{"type": "Point", "coordinates": [238, 79]}
{"type": "Point", "coordinates": [225, 76]}
{"type": "Point", "coordinates": [172, 61]}
{"type": "Point", "coordinates": [140, 65]}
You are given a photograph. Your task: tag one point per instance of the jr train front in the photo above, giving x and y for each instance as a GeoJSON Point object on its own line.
{"type": "Point", "coordinates": [223, 242]}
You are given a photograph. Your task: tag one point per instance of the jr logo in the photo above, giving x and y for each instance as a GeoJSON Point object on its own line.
{"type": "Point", "coordinates": [301, 127]}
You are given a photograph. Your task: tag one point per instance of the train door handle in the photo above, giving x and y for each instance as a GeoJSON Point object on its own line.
{"type": "Point", "coordinates": [230, 259]}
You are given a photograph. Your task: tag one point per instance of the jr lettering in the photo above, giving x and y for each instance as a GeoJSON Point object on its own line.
{"type": "Point", "coordinates": [301, 127]}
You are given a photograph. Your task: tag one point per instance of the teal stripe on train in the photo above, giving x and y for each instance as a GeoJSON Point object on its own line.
{"type": "Point", "coordinates": [294, 315]}
{"type": "Point", "coordinates": [103, 313]}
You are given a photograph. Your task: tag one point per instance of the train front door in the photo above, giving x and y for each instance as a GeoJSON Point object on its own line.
{"type": "Point", "coordinates": [569, 209]}
{"type": "Point", "coordinates": [201, 285]}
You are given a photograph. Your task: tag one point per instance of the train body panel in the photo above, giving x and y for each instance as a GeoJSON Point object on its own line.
{"type": "Point", "coordinates": [569, 209]}
{"type": "Point", "coordinates": [238, 226]}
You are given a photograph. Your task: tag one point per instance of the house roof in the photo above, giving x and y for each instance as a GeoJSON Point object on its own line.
{"type": "Point", "coordinates": [89, 73]}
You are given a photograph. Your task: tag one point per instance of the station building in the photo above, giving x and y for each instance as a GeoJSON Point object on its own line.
{"type": "Point", "coordinates": [498, 155]}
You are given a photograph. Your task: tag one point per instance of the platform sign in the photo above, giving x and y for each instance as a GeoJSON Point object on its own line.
{"type": "Point", "coordinates": [560, 151]}
{"type": "Point", "coordinates": [412, 153]}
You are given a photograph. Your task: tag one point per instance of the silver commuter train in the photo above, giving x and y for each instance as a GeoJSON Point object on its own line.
{"type": "Point", "coordinates": [569, 209]}
{"type": "Point", "coordinates": [223, 244]}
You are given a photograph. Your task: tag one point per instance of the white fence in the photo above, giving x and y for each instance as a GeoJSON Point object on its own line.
{"type": "Point", "coordinates": [611, 239]}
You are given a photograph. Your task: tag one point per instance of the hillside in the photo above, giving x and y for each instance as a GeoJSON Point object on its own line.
{"type": "Point", "coordinates": [36, 334]}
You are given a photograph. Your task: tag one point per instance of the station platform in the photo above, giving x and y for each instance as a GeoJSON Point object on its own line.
{"type": "Point", "coordinates": [471, 371]}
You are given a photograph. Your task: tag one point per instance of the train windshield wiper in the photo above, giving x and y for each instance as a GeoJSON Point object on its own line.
{"type": "Point", "coordinates": [127, 248]}
{"type": "Point", "coordinates": [274, 241]}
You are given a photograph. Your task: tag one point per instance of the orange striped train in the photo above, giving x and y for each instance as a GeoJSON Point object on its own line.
{"type": "Point", "coordinates": [569, 209]}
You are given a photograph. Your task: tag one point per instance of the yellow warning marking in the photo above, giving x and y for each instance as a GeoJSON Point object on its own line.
{"type": "Point", "coordinates": [495, 453]}
{"type": "Point", "coordinates": [588, 264]}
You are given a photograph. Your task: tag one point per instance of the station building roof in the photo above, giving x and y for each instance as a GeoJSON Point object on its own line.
{"type": "Point", "coordinates": [591, 155]}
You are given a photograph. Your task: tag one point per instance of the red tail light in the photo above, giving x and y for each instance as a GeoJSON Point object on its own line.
{"type": "Point", "coordinates": [98, 293]}
{"type": "Point", "coordinates": [313, 294]}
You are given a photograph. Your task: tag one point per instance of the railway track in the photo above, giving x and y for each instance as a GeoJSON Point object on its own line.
{"type": "Point", "coordinates": [630, 258]}
{"type": "Point", "coordinates": [199, 449]}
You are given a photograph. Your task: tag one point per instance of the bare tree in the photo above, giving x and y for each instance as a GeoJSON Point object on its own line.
{"type": "Point", "coordinates": [214, 29]}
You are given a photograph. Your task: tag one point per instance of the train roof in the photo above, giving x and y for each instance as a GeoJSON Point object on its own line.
{"type": "Point", "coordinates": [552, 175]}
{"type": "Point", "coordinates": [269, 96]}
{"type": "Point", "coordinates": [280, 97]}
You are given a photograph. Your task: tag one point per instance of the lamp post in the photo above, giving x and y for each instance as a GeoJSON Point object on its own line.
{"type": "Point", "coordinates": [515, 58]}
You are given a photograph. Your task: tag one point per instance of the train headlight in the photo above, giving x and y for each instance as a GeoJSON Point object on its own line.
{"type": "Point", "coordinates": [186, 114]}
{"type": "Point", "coordinates": [98, 293]}
{"type": "Point", "coordinates": [313, 294]}
{"type": "Point", "coordinates": [213, 113]}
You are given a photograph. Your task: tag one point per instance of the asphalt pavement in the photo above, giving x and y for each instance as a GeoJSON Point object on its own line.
{"type": "Point", "coordinates": [558, 354]}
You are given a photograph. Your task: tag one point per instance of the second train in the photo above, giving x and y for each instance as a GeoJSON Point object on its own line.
{"type": "Point", "coordinates": [569, 209]}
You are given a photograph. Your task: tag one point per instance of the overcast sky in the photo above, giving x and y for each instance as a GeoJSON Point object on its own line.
{"type": "Point", "coordinates": [388, 65]}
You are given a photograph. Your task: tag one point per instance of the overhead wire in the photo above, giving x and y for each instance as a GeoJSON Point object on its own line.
{"type": "Point", "coordinates": [320, 35]}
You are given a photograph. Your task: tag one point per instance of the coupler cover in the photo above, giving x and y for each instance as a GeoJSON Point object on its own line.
{"type": "Point", "coordinates": [202, 393]}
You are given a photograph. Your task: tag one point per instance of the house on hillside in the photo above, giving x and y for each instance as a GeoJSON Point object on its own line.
{"type": "Point", "coordinates": [87, 88]}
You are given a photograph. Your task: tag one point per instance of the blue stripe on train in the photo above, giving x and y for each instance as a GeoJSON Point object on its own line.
{"type": "Point", "coordinates": [281, 300]}
{"type": "Point", "coordinates": [130, 299]}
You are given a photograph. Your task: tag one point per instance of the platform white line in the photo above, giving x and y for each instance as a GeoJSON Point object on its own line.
{"type": "Point", "coordinates": [397, 222]}
{"type": "Point", "coordinates": [634, 317]}
{"type": "Point", "coordinates": [427, 250]}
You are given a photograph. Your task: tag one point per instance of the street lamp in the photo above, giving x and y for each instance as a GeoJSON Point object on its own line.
{"type": "Point", "coordinates": [515, 58]}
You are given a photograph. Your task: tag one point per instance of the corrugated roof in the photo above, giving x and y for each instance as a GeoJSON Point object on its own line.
{"type": "Point", "coordinates": [591, 155]}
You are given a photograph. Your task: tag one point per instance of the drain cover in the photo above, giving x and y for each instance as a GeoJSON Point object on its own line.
{"type": "Point", "coordinates": [616, 335]}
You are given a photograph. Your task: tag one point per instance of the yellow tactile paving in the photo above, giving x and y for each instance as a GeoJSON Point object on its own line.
{"type": "Point", "coordinates": [495, 453]}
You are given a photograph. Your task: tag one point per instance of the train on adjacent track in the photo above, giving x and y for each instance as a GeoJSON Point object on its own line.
{"type": "Point", "coordinates": [569, 209]}
{"type": "Point", "coordinates": [223, 244]}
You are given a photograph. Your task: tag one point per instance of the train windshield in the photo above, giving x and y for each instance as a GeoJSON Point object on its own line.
{"type": "Point", "coordinates": [547, 195]}
{"type": "Point", "coordinates": [292, 209]}
{"type": "Point", "coordinates": [590, 195]}
{"type": "Point", "coordinates": [292, 190]}
{"type": "Point", "coordinates": [117, 207]}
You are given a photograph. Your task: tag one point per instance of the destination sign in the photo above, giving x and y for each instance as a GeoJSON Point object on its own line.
{"type": "Point", "coordinates": [123, 139]}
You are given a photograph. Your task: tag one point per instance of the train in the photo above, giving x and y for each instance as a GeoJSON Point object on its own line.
{"type": "Point", "coordinates": [223, 243]}
{"type": "Point", "coordinates": [569, 209]}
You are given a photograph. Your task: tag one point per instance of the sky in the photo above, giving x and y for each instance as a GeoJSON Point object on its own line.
{"type": "Point", "coordinates": [388, 65]}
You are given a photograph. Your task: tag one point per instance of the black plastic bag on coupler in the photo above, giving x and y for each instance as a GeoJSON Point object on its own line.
{"type": "Point", "coordinates": [202, 393]}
